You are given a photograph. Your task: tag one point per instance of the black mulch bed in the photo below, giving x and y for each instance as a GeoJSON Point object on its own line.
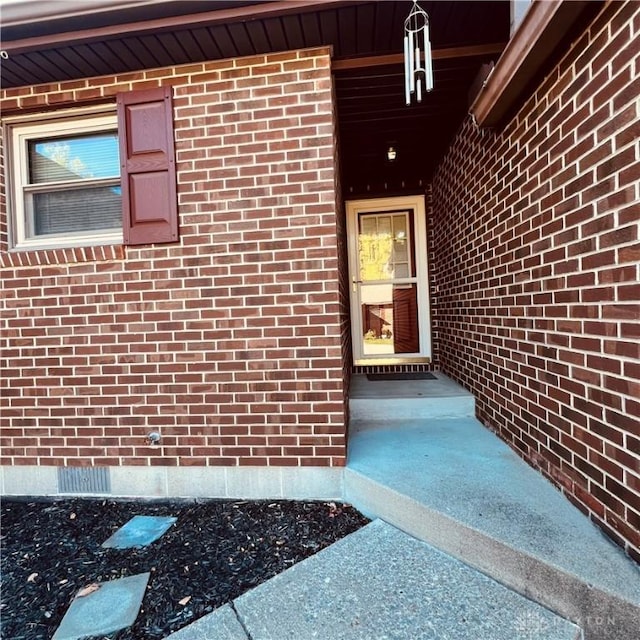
{"type": "Point", "coordinates": [215, 551]}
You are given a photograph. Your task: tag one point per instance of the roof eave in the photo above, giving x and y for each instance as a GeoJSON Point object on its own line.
{"type": "Point", "coordinates": [241, 13]}
{"type": "Point", "coordinates": [542, 29]}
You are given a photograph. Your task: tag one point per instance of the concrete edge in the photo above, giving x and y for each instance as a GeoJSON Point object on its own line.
{"type": "Point", "coordinates": [602, 615]}
{"type": "Point", "coordinates": [286, 483]}
{"type": "Point", "coordinates": [391, 409]}
{"type": "Point", "coordinates": [222, 624]}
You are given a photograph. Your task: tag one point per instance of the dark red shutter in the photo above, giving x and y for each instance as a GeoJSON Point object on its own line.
{"type": "Point", "coordinates": [145, 125]}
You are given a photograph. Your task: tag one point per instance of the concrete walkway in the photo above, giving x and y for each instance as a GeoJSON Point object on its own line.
{"type": "Point", "coordinates": [380, 583]}
{"type": "Point", "coordinates": [519, 562]}
{"type": "Point", "coordinates": [455, 485]}
{"type": "Point", "coordinates": [449, 481]}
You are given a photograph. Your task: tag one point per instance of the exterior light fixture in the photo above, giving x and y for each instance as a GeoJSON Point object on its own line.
{"type": "Point", "coordinates": [416, 47]}
{"type": "Point", "coordinates": [392, 154]}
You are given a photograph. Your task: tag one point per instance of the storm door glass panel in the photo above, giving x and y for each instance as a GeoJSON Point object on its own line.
{"type": "Point", "coordinates": [385, 246]}
{"type": "Point", "coordinates": [387, 284]}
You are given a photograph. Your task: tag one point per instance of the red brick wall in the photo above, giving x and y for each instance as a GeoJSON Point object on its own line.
{"type": "Point", "coordinates": [227, 342]}
{"type": "Point", "coordinates": [537, 252]}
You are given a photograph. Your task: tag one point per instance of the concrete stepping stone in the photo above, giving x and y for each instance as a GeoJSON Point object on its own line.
{"type": "Point", "coordinates": [114, 606]}
{"type": "Point", "coordinates": [140, 531]}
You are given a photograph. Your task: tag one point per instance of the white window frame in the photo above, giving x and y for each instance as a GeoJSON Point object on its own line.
{"type": "Point", "coordinates": [21, 131]}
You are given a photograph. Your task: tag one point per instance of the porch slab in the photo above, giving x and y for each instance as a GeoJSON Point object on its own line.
{"type": "Point", "coordinates": [407, 399]}
{"type": "Point", "coordinates": [114, 606]}
{"type": "Point", "coordinates": [381, 583]}
{"type": "Point", "coordinates": [456, 485]}
{"type": "Point", "coordinates": [140, 531]}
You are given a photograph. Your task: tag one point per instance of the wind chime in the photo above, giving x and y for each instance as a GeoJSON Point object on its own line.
{"type": "Point", "coordinates": [417, 50]}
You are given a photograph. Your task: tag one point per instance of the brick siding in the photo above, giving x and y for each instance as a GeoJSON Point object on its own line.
{"type": "Point", "coordinates": [228, 342]}
{"type": "Point", "coordinates": [537, 251]}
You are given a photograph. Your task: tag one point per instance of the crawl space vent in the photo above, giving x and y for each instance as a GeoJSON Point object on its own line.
{"type": "Point", "coordinates": [83, 480]}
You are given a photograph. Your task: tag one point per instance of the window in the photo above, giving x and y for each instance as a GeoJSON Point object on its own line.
{"type": "Point", "coordinates": [66, 181]}
{"type": "Point", "coordinates": [81, 178]}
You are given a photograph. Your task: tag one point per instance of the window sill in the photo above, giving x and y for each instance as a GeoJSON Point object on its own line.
{"type": "Point", "coordinates": [70, 255]}
{"type": "Point", "coordinates": [542, 29]}
{"type": "Point", "coordinates": [69, 241]}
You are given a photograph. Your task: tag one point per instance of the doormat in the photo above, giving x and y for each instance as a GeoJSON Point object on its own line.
{"type": "Point", "coordinates": [410, 375]}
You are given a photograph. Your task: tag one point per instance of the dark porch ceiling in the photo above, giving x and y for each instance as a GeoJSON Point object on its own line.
{"type": "Point", "coordinates": [370, 95]}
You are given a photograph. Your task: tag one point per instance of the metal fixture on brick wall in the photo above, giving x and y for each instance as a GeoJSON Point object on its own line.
{"type": "Point", "coordinates": [416, 47]}
{"type": "Point", "coordinates": [84, 480]}
{"type": "Point", "coordinates": [153, 437]}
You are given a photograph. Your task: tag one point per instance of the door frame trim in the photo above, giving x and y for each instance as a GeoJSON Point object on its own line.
{"type": "Point", "coordinates": [374, 205]}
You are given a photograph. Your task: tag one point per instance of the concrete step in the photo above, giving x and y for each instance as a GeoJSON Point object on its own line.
{"type": "Point", "coordinates": [455, 485]}
{"type": "Point", "coordinates": [408, 399]}
{"type": "Point", "coordinates": [381, 583]}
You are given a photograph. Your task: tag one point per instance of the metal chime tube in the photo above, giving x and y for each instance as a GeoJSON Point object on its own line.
{"type": "Point", "coordinates": [416, 73]}
{"type": "Point", "coordinates": [412, 75]}
{"type": "Point", "coordinates": [407, 71]}
{"type": "Point", "coordinates": [428, 66]}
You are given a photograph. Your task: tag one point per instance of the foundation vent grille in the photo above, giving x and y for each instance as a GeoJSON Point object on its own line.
{"type": "Point", "coordinates": [83, 480]}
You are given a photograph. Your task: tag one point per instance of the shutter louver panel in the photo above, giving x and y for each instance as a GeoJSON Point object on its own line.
{"type": "Point", "coordinates": [150, 211]}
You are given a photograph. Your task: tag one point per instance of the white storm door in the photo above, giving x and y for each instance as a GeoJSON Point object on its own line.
{"type": "Point", "coordinates": [390, 318]}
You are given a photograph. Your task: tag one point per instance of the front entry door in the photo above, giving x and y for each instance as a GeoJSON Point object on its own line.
{"type": "Point", "coordinates": [389, 281]}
